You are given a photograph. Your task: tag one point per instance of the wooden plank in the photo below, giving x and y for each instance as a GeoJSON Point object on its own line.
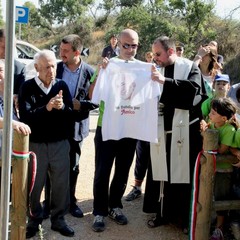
{"type": "Point", "coordinates": [19, 188]}
{"type": "Point", "coordinates": [206, 182]}
{"type": "Point", "coordinates": [226, 205]}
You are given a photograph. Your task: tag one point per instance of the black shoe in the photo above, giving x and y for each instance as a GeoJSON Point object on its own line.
{"type": "Point", "coordinates": [76, 211]}
{"type": "Point", "coordinates": [31, 231]}
{"type": "Point", "coordinates": [65, 230]}
{"type": "Point", "coordinates": [98, 224]}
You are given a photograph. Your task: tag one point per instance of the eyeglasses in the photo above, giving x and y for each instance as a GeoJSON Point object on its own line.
{"type": "Point", "coordinates": [157, 54]}
{"type": "Point", "coordinates": [127, 46]}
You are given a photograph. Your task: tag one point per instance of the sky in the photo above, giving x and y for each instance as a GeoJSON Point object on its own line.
{"type": "Point", "coordinates": [223, 7]}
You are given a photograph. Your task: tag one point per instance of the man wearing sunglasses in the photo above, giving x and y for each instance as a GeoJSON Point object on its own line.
{"type": "Point", "coordinates": [128, 43]}
{"type": "Point", "coordinates": [168, 192]}
{"type": "Point", "coordinates": [123, 78]}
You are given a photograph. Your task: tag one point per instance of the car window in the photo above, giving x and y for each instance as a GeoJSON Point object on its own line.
{"type": "Point", "coordinates": [24, 51]}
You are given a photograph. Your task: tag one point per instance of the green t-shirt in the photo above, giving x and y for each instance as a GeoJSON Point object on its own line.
{"type": "Point", "coordinates": [101, 110]}
{"type": "Point", "coordinates": [236, 141]}
{"type": "Point", "coordinates": [226, 137]}
{"type": "Point", "coordinates": [94, 76]}
{"type": "Point", "coordinates": [206, 107]}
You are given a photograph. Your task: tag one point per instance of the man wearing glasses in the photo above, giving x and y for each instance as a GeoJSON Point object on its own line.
{"type": "Point", "coordinates": [124, 78]}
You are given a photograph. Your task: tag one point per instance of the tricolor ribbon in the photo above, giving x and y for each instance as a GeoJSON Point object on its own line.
{"type": "Point", "coordinates": [25, 155]}
{"type": "Point", "coordinates": [195, 191]}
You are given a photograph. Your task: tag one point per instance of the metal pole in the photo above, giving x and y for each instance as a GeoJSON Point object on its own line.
{"type": "Point", "coordinates": [19, 31]}
{"type": "Point", "coordinates": [7, 126]}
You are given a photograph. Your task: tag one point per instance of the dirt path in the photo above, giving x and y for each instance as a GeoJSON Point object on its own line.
{"type": "Point", "coordinates": [135, 230]}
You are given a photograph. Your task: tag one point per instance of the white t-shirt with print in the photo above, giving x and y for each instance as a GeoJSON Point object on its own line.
{"type": "Point", "coordinates": [130, 98]}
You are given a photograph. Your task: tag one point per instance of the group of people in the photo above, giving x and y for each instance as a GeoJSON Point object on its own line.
{"type": "Point", "coordinates": [108, 201]}
{"type": "Point", "coordinates": [153, 108]}
{"type": "Point", "coordinates": [53, 108]}
{"type": "Point", "coordinates": [181, 110]}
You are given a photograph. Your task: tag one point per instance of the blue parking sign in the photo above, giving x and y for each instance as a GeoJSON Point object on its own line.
{"type": "Point", "coordinates": [22, 14]}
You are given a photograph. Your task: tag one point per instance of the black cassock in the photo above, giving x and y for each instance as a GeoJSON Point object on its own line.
{"type": "Point", "coordinates": [177, 94]}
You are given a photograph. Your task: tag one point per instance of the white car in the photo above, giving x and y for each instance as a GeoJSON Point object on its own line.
{"type": "Point", "coordinates": [25, 53]}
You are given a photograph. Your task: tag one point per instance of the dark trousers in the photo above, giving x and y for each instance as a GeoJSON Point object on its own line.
{"type": "Point", "coordinates": [52, 158]}
{"type": "Point", "coordinates": [75, 153]}
{"type": "Point", "coordinates": [105, 153]}
{"type": "Point", "coordinates": [142, 159]}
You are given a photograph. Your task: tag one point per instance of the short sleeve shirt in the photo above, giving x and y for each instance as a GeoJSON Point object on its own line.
{"type": "Point", "coordinates": [226, 137]}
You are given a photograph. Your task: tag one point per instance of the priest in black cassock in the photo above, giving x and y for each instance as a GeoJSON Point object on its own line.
{"type": "Point", "coordinates": [170, 173]}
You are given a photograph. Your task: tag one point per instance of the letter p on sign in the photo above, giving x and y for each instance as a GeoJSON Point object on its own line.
{"type": "Point", "coordinates": [22, 14]}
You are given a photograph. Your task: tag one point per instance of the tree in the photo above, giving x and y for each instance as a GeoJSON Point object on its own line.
{"type": "Point", "coordinates": [1, 17]}
{"type": "Point", "coordinates": [63, 11]}
{"type": "Point", "coordinates": [37, 26]}
{"type": "Point", "coordinates": [129, 3]}
{"type": "Point", "coordinates": [191, 19]}
{"type": "Point", "coordinates": [148, 26]}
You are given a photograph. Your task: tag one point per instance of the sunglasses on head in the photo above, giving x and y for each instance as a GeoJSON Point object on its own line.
{"type": "Point", "coordinates": [127, 46]}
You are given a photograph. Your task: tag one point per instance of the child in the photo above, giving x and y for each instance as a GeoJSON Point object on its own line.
{"type": "Point", "coordinates": [221, 85]}
{"type": "Point", "coordinates": [149, 57]}
{"type": "Point", "coordinates": [222, 118]}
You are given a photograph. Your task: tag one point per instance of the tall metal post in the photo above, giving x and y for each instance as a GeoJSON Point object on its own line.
{"type": "Point", "coordinates": [7, 126]}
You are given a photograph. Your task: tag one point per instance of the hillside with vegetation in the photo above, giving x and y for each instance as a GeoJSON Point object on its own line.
{"type": "Point", "coordinates": [192, 22]}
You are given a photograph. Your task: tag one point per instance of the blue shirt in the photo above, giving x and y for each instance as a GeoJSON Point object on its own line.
{"type": "Point", "coordinates": [71, 78]}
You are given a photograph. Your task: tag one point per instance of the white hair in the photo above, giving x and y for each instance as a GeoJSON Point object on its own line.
{"type": "Point", "coordinates": [45, 53]}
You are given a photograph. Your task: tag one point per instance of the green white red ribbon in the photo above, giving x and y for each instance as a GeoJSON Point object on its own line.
{"type": "Point", "coordinates": [195, 191]}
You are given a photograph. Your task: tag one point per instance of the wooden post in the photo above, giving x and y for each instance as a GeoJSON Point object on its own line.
{"type": "Point", "coordinates": [19, 188]}
{"type": "Point", "coordinates": [206, 183]}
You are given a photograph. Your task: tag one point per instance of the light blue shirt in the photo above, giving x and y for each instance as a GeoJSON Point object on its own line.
{"type": "Point", "coordinates": [71, 79]}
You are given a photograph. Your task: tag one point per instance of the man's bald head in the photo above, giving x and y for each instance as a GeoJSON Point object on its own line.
{"type": "Point", "coordinates": [128, 33]}
{"type": "Point", "coordinates": [128, 44]}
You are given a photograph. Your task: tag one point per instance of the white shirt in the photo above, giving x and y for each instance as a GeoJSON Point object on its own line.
{"type": "Point", "coordinates": [130, 98]}
{"type": "Point", "coordinates": [41, 85]}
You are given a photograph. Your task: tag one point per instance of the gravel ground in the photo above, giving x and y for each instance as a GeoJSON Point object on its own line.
{"type": "Point", "coordinates": [136, 229]}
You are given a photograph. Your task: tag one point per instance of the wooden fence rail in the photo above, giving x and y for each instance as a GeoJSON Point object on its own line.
{"type": "Point", "coordinates": [205, 201]}
{"type": "Point", "coordinates": [18, 208]}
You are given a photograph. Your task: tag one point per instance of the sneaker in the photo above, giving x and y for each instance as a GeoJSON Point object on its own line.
{"type": "Point", "coordinates": [217, 235]}
{"type": "Point", "coordinates": [98, 224]}
{"type": "Point", "coordinates": [134, 193]}
{"type": "Point", "coordinates": [117, 215]}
